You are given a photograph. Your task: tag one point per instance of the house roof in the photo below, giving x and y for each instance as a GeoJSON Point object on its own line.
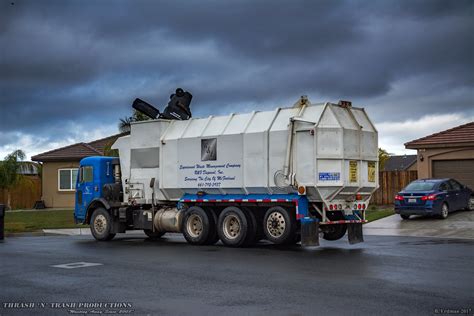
{"type": "Point", "coordinates": [78, 151]}
{"type": "Point", "coordinates": [399, 162]}
{"type": "Point", "coordinates": [458, 136]}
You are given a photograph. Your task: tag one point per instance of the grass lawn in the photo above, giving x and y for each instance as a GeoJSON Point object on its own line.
{"type": "Point", "coordinates": [17, 222]}
{"type": "Point", "coordinates": [36, 220]}
{"type": "Point", "coordinates": [374, 213]}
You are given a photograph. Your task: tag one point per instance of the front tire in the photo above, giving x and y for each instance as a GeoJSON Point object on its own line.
{"type": "Point", "coordinates": [470, 204]}
{"type": "Point", "coordinates": [279, 226]}
{"type": "Point", "coordinates": [101, 225]}
{"type": "Point", "coordinates": [405, 216]}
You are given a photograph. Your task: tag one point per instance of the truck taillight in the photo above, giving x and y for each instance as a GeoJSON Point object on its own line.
{"type": "Point", "coordinates": [398, 197]}
{"type": "Point", "coordinates": [430, 197]}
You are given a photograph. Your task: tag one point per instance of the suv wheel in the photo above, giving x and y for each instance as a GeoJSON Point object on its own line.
{"type": "Point", "coordinates": [444, 211]}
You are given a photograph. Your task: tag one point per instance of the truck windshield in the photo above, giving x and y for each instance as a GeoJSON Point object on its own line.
{"type": "Point", "coordinates": [420, 186]}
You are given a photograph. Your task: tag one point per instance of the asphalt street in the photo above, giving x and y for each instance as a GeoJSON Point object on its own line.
{"type": "Point", "coordinates": [386, 275]}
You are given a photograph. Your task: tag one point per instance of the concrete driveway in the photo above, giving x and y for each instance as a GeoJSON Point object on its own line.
{"type": "Point", "coordinates": [459, 224]}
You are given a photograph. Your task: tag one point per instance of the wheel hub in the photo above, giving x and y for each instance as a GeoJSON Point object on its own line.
{"type": "Point", "coordinates": [276, 224]}
{"type": "Point", "coordinates": [194, 225]}
{"type": "Point", "coordinates": [100, 223]}
{"type": "Point", "coordinates": [231, 227]}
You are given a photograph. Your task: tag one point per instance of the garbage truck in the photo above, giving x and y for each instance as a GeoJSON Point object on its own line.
{"type": "Point", "coordinates": [286, 175]}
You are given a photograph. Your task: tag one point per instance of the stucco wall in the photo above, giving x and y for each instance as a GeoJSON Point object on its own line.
{"type": "Point", "coordinates": [425, 166]}
{"type": "Point", "coordinates": [51, 195]}
{"type": "Point", "coordinates": [413, 167]}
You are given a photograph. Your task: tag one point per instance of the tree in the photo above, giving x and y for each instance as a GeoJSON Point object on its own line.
{"type": "Point", "coordinates": [124, 124]}
{"type": "Point", "coordinates": [9, 172]}
{"type": "Point", "coordinates": [383, 157]}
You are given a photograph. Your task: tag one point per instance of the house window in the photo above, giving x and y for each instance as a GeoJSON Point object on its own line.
{"type": "Point", "coordinates": [67, 179]}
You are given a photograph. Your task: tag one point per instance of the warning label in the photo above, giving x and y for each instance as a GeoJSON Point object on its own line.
{"type": "Point", "coordinates": [371, 171]}
{"type": "Point", "coordinates": [353, 174]}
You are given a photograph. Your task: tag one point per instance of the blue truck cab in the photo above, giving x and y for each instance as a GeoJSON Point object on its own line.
{"type": "Point", "coordinates": [93, 173]}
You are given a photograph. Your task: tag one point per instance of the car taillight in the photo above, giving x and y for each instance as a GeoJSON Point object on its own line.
{"type": "Point", "coordinates": [398, 197]}
{"type": "Point", "coordinates": [430, 197]}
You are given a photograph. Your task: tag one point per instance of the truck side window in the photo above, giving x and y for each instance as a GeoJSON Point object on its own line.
{"type": "Point", "coordinates": [86, 174]}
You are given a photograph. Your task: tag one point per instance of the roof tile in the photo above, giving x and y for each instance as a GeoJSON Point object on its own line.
{"type": "Point", "coordinates": [79, 150]}
{"type": "Point", "coordinates": [457, 135]}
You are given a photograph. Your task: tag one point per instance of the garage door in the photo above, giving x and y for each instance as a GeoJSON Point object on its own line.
{"type": "Point", "coordinates": [461, 170]}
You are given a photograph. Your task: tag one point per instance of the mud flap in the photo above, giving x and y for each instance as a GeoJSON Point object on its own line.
{"type": "Point", "coordinates": [309, 233]}
{"type": "Point", "coordinates": [354, 233]}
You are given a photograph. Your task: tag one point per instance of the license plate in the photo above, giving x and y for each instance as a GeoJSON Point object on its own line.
{"type": "Point", "coordinates": [411, 200]}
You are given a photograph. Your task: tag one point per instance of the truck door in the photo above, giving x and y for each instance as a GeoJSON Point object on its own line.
{"type": "Point", "coordinates": [84, 190]}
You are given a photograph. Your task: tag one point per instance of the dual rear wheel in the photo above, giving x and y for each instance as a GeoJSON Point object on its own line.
{"type": "Point", "coordinates": [239, 227]}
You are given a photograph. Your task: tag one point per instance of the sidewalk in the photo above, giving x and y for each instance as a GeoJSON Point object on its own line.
{"type": "Point", "coordinates": [83, 232]}
{"type": "Point", "coordinates": [42, 210]}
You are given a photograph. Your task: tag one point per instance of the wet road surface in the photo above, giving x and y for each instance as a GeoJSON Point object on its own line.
{"type": "Point", "coordinates": [383, 276]}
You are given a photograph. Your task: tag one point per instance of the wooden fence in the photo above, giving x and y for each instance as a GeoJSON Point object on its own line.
{"type": "Point", "coordinates": [390, 183]}
{"type": "Point", "coordinates": [24, 195]}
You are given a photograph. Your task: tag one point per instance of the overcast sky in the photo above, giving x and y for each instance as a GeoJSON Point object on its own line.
{"type": "Point", "coordinates": [70, 69]}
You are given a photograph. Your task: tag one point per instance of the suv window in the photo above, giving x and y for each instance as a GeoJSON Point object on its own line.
{"type": "Point", "coordinates": [455, 185]}
{"type": "Point", "coordinates": [420, 186]}
{"type": "Point", "coordinates": [444, 186]}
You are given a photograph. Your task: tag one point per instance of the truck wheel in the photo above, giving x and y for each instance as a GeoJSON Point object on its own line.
{"type": "Point", "coordinates": [101, 225]}
{"type": "Point", "coordinates": [213, 236]}
{"type": "Point", "coordinates": [252, 232]}
{"type": "Point", "coordinates": [153, 235]}
{"type": "Point", "coordinates": [279, 225]}
{"type": "Point", "coordinates": [334, 231]}
{"type": "Point", "coordinates": [235, 228]}
{"type": "Point", "coordinates": [198, 226]}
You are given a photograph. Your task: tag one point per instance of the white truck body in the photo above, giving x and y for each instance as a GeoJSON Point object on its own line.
{"type": "Point", "coordinates": [331, 150]}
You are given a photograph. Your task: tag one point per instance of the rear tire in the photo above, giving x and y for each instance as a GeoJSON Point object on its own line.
{"type": "Point", "coordinates": [198, 226]}
{"type": "Point", "coordinates": [252, 232]}
{"type": "Point", "coordinates": [101, 225]}
{"type": "Point", "coordinates": [235, 227]}
{"type": "Point", "coordinates": [444, 211]}
{"type": "Point", "coordinates": [153, 235]}
{"type": "Point", "coordinates": [334, 231]}
{"type": "Point", "coordinates": [405, 216]}
{"type": "Point", "coordinates": [279, 226]}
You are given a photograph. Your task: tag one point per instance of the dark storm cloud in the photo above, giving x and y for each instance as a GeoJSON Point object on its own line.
{"type": "Point", "coordinates": [85, 61]}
